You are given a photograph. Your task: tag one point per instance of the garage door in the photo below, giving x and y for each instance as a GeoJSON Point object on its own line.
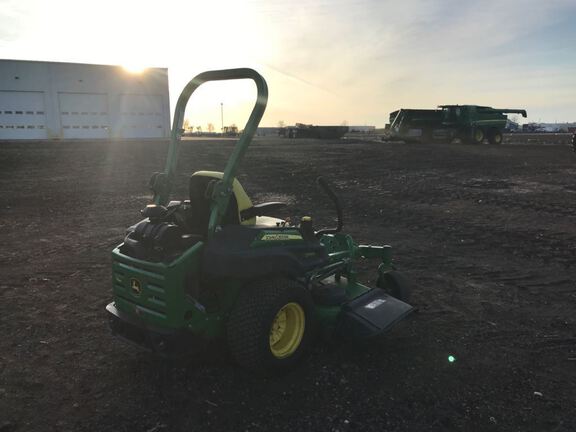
{"type": "Point", "coordinates": [22, 115]}
{"type": "Point", "coordinates": [84, 115]}
{"type": "Point", "coordinates": [141, 116]}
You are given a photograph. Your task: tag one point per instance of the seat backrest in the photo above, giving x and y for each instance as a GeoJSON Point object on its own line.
{"type": "Point", "coordinates": [239, 201]}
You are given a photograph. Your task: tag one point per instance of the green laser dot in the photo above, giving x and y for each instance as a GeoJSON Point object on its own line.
{"type": "Point", "coordinates": [451, 359]}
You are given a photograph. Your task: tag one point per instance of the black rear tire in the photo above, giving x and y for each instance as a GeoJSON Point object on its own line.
{"type": "Point", "coordinates": [477, 136]}
{"type": "Point", "coordinates": [495, 137]}
{"type": "Point", "coordinates": [250, 326]}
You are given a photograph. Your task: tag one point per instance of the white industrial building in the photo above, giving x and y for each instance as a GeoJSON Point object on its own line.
{"type": "Point", "coordinates": [45, 100]}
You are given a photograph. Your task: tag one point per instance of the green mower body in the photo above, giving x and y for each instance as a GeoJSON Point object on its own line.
{"type": "Point", "coordinates": [217, 266]}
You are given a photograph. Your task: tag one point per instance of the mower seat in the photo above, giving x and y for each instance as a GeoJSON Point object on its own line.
{"type": "Point", "coordinates": [240, 210]}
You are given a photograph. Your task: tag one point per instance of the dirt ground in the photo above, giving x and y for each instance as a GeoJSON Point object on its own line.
{"type": "Point", "coordinates": [487, 233]}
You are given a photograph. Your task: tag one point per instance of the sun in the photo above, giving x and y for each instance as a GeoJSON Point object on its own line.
{"type": "Point", "coordinates": [134, 67]}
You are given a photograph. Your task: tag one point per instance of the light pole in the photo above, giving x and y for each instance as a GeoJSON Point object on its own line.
{"type": "Point", "coordinates": [222, 116]}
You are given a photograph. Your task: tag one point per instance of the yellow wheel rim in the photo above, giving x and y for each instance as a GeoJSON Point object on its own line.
{"type": "Point", "coordinates": [287, 330]}
{"type": "Point", "coordinates": [478, 135]}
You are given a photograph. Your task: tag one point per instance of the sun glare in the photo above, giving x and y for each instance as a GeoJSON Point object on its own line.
{"type": "Point", "coordinates": [134, 68]}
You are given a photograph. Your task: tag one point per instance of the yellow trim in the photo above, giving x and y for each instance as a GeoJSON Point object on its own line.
{"type": "Point", "coordinates": [242, 198]}
{"type": "Point", "coordinates": [287, 330]}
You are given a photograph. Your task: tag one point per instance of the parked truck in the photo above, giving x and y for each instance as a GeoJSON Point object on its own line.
{"type": "Point", "coordinates": [468, 123]}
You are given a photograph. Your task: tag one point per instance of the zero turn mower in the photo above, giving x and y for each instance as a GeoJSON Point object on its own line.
{"type": "Point", "coordinates": [215, 265]}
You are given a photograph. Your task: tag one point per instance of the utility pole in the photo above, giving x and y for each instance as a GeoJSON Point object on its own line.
{"type": "Point", "coordinates": [222, 116]}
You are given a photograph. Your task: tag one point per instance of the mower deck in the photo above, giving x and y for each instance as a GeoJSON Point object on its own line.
{"type": "Point", "coordinates": [370, 315]}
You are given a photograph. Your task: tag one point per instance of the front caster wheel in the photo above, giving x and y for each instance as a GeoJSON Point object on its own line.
{"type": "Point", "coordinates": [396, 284]}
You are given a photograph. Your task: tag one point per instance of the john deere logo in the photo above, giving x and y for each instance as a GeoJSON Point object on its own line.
{"type": "Point", "coordinates": [135, 287]}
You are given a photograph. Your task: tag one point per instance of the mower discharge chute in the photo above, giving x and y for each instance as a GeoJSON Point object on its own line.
{"type": "Point", "coordinates": [217, 266]}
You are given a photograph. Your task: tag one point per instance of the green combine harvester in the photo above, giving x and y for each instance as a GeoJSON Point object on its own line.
{"type": "Point", "coordinates": [468, 123]}
{"type": "Point", "coordinates": [213, 265]}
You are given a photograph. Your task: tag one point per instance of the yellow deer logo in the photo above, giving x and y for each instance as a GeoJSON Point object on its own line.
{"type": "Point", "coordinates": [135, 287]}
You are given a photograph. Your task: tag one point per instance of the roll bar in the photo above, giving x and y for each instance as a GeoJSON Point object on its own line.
{"type": "Point", "coordinates": [223, 189]}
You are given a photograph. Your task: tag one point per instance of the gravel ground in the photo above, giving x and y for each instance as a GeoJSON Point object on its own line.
{"type": "Point", "coordinates": [487, 233]}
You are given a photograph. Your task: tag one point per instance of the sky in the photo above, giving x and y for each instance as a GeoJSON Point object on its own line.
{"type": "Point", "coordinates": [327, 62]}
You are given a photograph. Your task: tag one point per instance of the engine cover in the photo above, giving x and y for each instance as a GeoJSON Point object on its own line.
{"type": "Point", "coordinates": [153, 241]}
